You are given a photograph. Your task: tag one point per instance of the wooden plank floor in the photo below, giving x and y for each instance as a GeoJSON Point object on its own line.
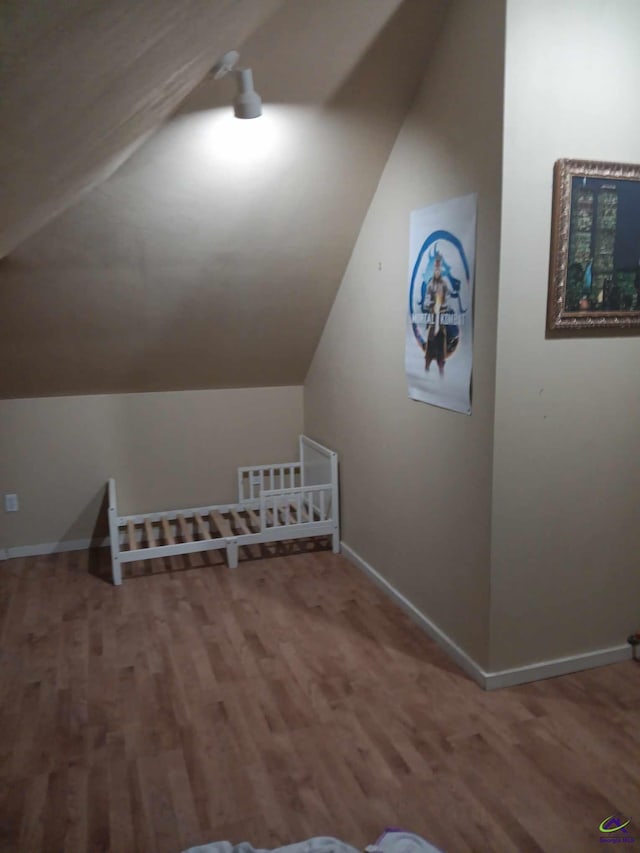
{"type": "Point", "coordinates": [284, 700]}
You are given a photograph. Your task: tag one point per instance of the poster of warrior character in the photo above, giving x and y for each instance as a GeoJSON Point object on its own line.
{"type": "Point", "coordinates": [439, 340]}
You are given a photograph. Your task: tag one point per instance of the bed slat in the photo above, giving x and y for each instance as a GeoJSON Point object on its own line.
{"type": "Point", "coordinates": [166, 532]}
{"type": "Point", "coordinates": [131, 536]}
{"type": "Point", "coordinates": [202, 527]}
{"type": "Point", "coordinates": [148, 529]}
{"type": "Point", "coordinates": [221, 523]}
{"type": "Point", "coordinates": [239, 522]}
{"type": "Point", "coordinates": [184, 530]}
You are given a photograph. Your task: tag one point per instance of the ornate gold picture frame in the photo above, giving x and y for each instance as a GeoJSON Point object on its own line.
{"type": "Point", "coordinates": [594, 276]}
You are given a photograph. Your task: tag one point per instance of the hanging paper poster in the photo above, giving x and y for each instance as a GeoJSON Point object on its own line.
{"type": "Point", "coordinates": [439, 343]}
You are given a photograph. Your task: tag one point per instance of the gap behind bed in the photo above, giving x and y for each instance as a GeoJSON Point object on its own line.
{"type": "Point", "coordinates": [280, 502]}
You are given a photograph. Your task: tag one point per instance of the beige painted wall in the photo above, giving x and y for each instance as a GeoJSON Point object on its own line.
{"type": "Point", "coordinates": [566, 514]}
{"type": "Point", "coordinates": [415, 480]}
{"type": "Point", "coordinates": [165, 450]}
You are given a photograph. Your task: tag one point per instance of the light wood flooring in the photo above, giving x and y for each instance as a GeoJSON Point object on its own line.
{"type": "Point", "coordinates": [287, 699]}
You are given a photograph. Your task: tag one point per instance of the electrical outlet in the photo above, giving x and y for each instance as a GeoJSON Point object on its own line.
{"type": "Point", "coordinates": [11, 503]}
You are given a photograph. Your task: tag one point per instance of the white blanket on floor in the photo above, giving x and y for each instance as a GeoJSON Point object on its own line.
{"type": "Point", "coordinates": [313, 845]}
{"type": "Point", "coordinates": [391, 841]}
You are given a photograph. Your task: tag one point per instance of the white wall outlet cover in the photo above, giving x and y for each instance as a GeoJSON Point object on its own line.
{"type": "Point", "coordinates": [11, 503]}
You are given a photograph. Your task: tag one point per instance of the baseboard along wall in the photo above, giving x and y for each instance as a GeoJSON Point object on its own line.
{"type": "Point", "coordinates": [501, 678]}
{"type": "Point", "coordinates": [45, 548]}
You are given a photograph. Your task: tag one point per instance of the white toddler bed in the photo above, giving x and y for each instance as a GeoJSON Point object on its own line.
{"type": "Point", "coordinates": [292, 500]}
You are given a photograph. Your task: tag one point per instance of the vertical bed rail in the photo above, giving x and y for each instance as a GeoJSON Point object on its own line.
{"type": "Point", "coordinates": [335, 504]}
{"type": "Point", "coordinates": [114, 535]}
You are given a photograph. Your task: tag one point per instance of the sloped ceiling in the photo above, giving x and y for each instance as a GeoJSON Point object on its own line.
{"type": "Point", "coordinates": [83, 81]}
{"type": "Point", "coordinates": [206, 254]}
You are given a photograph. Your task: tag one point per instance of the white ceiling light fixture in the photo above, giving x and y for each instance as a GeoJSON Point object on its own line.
{"type": "Point", "coordinates": [247, 103]}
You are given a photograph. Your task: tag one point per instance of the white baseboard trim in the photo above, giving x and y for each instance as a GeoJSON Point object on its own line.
{"type": "Point", "coordinates": [460, 657]}
{"type": "Point", "coordinates": [55, 547]}
{"type": "Point", "coordinates": [558, 666]}
{"type": "Point", "coordinates": [502, 678]}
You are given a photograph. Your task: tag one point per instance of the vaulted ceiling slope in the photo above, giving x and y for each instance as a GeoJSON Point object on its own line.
{"type": "Point", "coordinates": [84, 81]}
{"type": "Point", "coordinates": [206, 254]}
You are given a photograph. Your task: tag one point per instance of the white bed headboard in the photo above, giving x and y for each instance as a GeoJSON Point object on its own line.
{"type": "Point", "coordinates": [319, 467]}
{"type": "Point", "coordinates": [315, 463]}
